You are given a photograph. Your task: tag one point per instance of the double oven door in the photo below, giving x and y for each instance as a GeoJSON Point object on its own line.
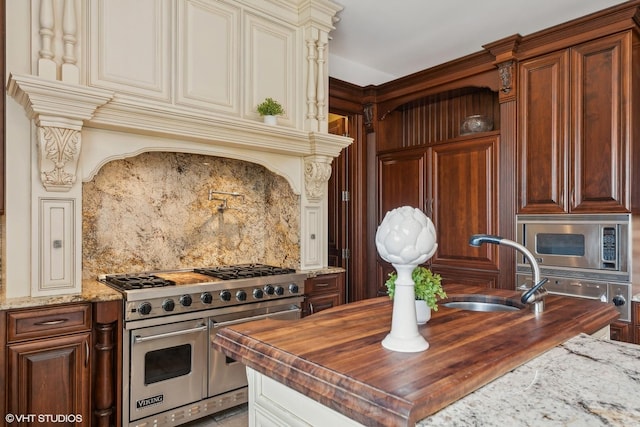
{"type": "Point", "coordinates": [225, 373]}
{"type": "Point", "coordinates": [170, 362]}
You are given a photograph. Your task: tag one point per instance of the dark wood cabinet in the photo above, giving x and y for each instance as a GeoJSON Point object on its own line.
{"type": "Point", "coordinates": [50, 376]}
{"type": "Point", "coordinates": [322, 292]}
{"type": "Point", "coordinates": [63, 360]}
{"type": "Point", "coordinates": [48, 361]}
{"type": "Point", "coordinates": [574, 128]}
{"type": "Point", "coordinates": [621, 331]}
{"type": "Point", "coordinates": [455, 184]}
{"type": "Point", "coordinates": [463, 201]}
{"type": "Point", "coordinates": [402, 180]}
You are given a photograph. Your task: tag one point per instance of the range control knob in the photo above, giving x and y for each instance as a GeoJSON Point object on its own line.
{"type": "Point", "coordinates": [185, 300]}
{"type": "Point", "coordinates": [619, 300]}
{"type": "Point", "coordinates": [144, 308]}
{"type": "Point", "coordinates": [268, 289]}
{"type": "Point", "coordinates": [225, 296]}
{"type": "Point", "coordinates": [293, 288]}
{"type": "Point", "coordinates": [258, 293]}
{"type": "Point", "coordinates": [241, 295]}
{"type": "Point", "coordinates": [279, 290]}
{"type": "Point", "coordinates": [168, 305]}
{"type": "Point", "coordinates": [206, 298]}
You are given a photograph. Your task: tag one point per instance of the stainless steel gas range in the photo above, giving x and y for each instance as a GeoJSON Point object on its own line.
{"type": "Point", "coordinates": [171, 374]}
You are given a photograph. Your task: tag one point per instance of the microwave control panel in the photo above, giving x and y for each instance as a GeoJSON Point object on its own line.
{"type": "Point", "coordinates": [609, 247]}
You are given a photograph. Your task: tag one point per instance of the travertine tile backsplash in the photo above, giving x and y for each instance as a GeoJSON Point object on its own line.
{"type": "Point", "coordinates": [151, 212]}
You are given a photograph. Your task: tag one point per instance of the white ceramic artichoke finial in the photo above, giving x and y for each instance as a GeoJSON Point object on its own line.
{"type": "Point", "coordinates": [405, 238]}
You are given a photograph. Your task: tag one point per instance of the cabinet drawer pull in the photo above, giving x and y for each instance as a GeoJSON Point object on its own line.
{"type": "Point", "coordinates": [52, 322]}
{"type": "Point", "coordinates": [321, 285]}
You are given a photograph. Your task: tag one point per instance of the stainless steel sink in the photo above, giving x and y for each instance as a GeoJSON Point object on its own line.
{"type": "Point", "coordinates": [476, 302]}
{"type": "Point", "coordinates": [480, 306]}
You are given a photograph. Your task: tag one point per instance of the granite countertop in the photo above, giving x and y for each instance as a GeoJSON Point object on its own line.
{"type": "Point", "coordinates": [583, 382]}
{"type": "Point", "coordinates": [320, 271]}
{"type": "Point", "coordinates": [336, 358]}
{"type": "Point", "coordinates": [92, 291]}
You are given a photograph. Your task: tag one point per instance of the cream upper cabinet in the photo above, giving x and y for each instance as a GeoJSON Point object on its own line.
{"type": "Point", "coordinates": [129, 47]}
{"type": "Point", "coordinates": [220, 56]}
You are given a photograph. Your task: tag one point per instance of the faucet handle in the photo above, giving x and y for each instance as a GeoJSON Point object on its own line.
{"type": "Point", "coordinates": [536, 291]}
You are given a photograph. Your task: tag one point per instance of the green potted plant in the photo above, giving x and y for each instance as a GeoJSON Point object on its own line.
{"type": "Point", "coordinates": [269, 109]}
{"type": "Point", "coordinates": [428, 289]}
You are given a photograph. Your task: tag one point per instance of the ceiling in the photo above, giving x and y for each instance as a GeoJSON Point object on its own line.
{"type": "Point", "coordinates": [376, 41]}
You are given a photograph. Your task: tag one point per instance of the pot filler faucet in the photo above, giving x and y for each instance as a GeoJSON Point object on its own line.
{"type": "Point", "coordinates": [535, 295]}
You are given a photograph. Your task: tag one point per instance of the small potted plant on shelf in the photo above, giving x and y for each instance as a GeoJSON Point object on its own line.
{"type": "Point", "coordinates": [269, 109]}
{"type": "Point", "coordinates": [428, 289]}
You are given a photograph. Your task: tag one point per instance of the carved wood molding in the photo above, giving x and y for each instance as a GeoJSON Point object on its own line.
{"type": "Point", "coordinates": [317, 171]}
{"type": "Point", "coordinates": [59, 111]}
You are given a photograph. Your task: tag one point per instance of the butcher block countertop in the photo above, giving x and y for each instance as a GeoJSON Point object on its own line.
{"type": "Point", "coordinates": [336, 358]}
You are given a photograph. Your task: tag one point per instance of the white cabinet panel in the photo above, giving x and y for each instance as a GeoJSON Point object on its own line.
{"type": "Point", "coordinates": [208, 63]}
{"type": "Point", "coordinates": [313, 237]}
{"type": "Point", "coordinates": [272, 403]}
{"type": "Point", "coordinates": [130, 49]}
{"type": "Point", "coordinates": [270, 65]}
{"type": "Point", "coordinates": [57, 246]}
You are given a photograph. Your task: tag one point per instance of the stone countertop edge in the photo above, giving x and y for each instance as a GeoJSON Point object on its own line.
{"type": "Point", "coordinates": [92, 291]}
{"type": "Point", "coordinates": [320, 271]}
{"type": "Point", "coordinates": [585, 381]}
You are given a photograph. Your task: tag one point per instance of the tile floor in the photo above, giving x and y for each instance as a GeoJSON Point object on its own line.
{"type": "Point", "coordinates": [234, 417]}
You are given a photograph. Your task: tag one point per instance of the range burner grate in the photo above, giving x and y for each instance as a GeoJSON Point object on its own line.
{"type": "Point", "coordinates": [138, 281]}
{"type": "Point", "coordinates": [242, 271]}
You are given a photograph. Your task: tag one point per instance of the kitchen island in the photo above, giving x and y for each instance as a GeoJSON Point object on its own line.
{"type": "Point", "coordinates": [335, 357]}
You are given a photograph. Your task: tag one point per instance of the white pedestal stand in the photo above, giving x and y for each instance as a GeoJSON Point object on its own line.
{"type": "Point", "coordinates": [404, 335]}
{"type": "Point", "coordinates": [406, 238]}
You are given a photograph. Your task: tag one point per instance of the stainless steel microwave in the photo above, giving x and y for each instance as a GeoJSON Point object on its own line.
{"type": "Point", "coordinates": [586, 242]}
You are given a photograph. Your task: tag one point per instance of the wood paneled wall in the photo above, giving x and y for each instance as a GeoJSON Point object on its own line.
{"type": "Point", "coordinates": [436, 118]}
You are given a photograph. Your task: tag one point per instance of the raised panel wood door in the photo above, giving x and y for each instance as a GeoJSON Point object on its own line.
{"type": "Point", "coordinates": [401, 182]}
{"type": "Point", "coordinates": [574, 129]}
{"type": "Point", "coordinates": [600, 103]}
{"type": "Point", "coordinates": [50, 376]}
{"type": "Point", "coordinates": [463, 189]}
{"type": "Point", "coordinates": [543, 134]}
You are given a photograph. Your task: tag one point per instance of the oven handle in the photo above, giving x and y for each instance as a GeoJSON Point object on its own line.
{"type": "Point", "coordinates": [138, 339]}
{"type": "Point", "coordinates": [249, 319]}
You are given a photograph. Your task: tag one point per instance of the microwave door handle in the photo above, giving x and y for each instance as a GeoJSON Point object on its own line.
{"type": "Point", "coordinates": [138, 339]}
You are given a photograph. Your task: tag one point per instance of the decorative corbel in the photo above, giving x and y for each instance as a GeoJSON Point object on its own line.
{"type": "Point", "coordinates": [506, 76]}
{"type": "Point", "coordinates": [317, 171]}
{"type": "Point", "coordinates": [58, 110]}
{"type": "Point", "coordinates": [58, 154]}
{"type": "Point", "coordinates": [367, 111]}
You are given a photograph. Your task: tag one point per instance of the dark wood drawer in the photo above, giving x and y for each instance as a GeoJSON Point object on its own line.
{"type": "Point", "coordinates": [322, 284]}
{"type": "Point", "coordinates": [48, 321]}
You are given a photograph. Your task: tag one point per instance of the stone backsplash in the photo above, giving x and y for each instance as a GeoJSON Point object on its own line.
{"type": "Point", "coordinates": [151, 212]}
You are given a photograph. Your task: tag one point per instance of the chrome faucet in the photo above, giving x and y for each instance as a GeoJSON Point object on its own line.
{"type": "Point", "coordinates": [534, 296]}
